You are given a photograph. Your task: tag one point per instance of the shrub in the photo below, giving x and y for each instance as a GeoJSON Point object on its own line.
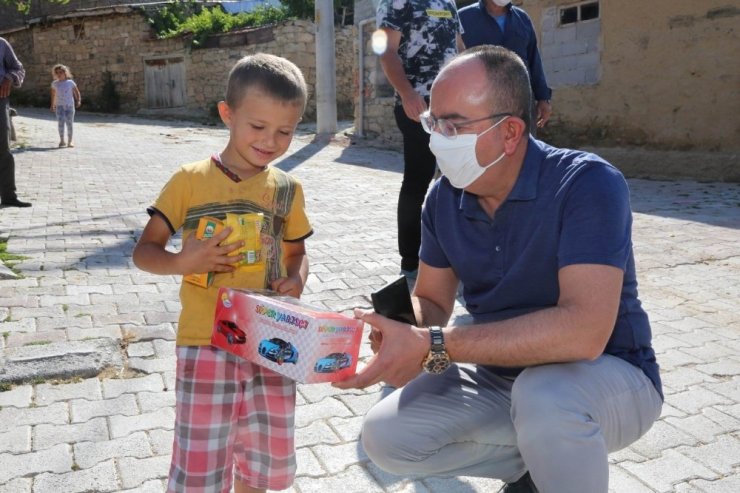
{"type": "Point", "coordinates": [177, 18]}
{"type": "Point", "coordinates": [166, 20]}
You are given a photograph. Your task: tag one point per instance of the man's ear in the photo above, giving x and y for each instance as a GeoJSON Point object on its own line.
{"type": "Point", "coordinates": [514, 131]}
{"type": "Point", "coordinates": [225, 113]}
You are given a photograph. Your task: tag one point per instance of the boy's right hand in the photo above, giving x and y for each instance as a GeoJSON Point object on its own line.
{"type": "Point", "coordinates": [200, 256]}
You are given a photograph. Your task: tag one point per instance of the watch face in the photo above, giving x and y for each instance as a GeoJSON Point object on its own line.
{"type": "Point", "coordinates": [436, 363]}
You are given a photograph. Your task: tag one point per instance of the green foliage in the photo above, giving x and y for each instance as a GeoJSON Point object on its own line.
{"type": "Point", "coordinates": [215, 20]}
{"type": "Point", "coordinates": [166, 20]}
{"type": "Point", "coordinates": [24, 6]}
{"type": "Point", "coordinates": [5, 256]}
{"type": "Point", "coordinates": [302, 9]}
{"type": "Point", "coordinates": [305, 9]}
{"type": "Point", "coordinates": [177, 18]}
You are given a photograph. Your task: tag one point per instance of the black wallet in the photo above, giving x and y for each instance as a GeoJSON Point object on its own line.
{"type": "Point", "coordinates": [394, 301]}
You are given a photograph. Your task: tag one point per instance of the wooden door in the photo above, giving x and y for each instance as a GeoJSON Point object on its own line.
{"type": "Point", "coordinates": [165, 82]}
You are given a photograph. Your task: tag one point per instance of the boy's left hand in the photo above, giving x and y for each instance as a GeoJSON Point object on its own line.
{"type": "Point", "coordinates": [287, 286]}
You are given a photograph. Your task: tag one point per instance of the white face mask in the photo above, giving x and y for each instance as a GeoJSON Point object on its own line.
{"type": "Point", "coordinates": [502, 3]}
{"type": "Point", "coordinates": [456, 157]}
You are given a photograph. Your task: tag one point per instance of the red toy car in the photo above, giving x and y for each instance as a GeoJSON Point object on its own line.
{"type": "Point", "coordinates": [234, 335]}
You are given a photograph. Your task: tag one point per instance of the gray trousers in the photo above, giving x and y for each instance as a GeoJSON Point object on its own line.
{"type": "Point", "coordinates": [7, 163]}
{"type": "Point", "coordinates": [558, 421]}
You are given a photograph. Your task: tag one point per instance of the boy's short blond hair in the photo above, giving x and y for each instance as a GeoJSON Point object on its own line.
{"type": "Point", "coordinates": [272, 74]}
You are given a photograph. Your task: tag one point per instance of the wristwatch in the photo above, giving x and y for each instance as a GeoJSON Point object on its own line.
{"type": "Point", "coordinates": [437, 361]}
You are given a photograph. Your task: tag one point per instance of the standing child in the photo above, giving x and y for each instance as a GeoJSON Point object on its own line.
{"type": "Point", "coordinates": [65, 97]}
{"type": "Point", "coordinates": [234, 419]}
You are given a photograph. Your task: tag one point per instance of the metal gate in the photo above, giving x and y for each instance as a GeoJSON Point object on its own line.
{"type": "Point", "coordinates": [165, 82]}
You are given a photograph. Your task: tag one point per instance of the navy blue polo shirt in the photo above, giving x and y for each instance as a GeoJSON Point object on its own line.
{"type": "Point", "coordinates": [567, 207]}
{"type": "Point", "coordinates": [479, 28]}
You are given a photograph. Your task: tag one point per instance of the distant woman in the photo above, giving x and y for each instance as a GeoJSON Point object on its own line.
{"type": "Point", "coordinates": [65, 97]}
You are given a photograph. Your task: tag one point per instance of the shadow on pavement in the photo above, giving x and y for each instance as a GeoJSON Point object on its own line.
{"type": "Point", "coordinates": [717, 204]}
{"type": "Point", "coordinates": [21, 150]}
{"type": "Point", "coordinates": [303, 154]}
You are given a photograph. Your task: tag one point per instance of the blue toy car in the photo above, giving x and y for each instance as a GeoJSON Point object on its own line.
{"type": "Point", "coordinates": [234, 335]}
{"type": "Point", "coordinates": [278, 350]}
{"type": "Point", "coordinates": [333, 362]}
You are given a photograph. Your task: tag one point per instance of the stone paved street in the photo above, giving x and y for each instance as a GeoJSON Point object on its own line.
{"type": "Point", "coordinates": [93, 337]}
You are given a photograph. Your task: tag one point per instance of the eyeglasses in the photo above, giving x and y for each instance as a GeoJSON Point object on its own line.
{"type": "Point", "coordinates": [449, 128]}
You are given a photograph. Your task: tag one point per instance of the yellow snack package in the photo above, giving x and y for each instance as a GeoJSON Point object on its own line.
{"type": "Point", "coordinates": [248, 228]}
{"type": "Point", "coordinates": [207, 228]}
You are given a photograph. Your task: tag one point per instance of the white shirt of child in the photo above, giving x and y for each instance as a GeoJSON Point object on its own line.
{"type": "Point", "coordinates": [64, 94]}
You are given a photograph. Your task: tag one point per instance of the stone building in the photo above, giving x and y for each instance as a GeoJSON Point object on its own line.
{"type": "Point", "coordinates": [660, 74]}
{"type": "Point", "coordinates": [152, 75]}
{"type": "Point", "coordinates": [11, 17]}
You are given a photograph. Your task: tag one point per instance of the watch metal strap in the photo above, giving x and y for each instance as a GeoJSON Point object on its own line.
{"type": "Point", "coordinates": [437, 337]}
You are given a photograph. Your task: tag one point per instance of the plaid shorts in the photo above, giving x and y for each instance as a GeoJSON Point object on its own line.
{"type": "Point", "coordinates": [233, 419]}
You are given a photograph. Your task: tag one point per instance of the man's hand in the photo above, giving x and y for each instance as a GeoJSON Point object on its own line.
{"type": "Point", "coordinates": [199, 256]}
{"type": "Point", "coordinates": [399, 357]}
{"type": "Point", "coordinates": [413, 105]}
{"type": "Point", "coordinates": [5, 88]}
{"type": "Point", "coordinates": [375, 338]}
{"type": "Point", "coordinates": [544, 110]}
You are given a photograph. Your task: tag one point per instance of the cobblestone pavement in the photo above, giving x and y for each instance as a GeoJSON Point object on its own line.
{"type": "Point", "coordinates": [82, 311]}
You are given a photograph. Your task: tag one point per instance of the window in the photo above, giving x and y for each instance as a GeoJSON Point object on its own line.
{"type": "Point", "coordinates": [581, 12]}
{"type": "Point", "coordinates": [568, 15]}
{"type": "Point", "coordinates": [589, 11]}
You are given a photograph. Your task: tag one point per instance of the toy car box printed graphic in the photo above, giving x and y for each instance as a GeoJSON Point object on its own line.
{"type": "Point", "coordinates": [302, 342]}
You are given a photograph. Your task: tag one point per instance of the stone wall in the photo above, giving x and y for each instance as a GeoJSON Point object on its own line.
{"type": "Point", "coordinates": [89, 46]}
{"type": "Point", "coordinates": [668, 74]}
{"type": "Point", "coordinates": [207, 69]}
{"type": "Point", "coordinates": [374, 106]}
{"type": "Point", "coordinates": [119, 40]}
{"type": "Point", "coordinates": [662, 75]}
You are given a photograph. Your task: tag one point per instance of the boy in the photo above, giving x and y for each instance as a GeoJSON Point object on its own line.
{"type": "Point", "coordinates": [230, 413]}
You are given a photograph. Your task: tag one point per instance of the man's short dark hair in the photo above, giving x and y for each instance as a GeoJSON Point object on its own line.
{"type": "Point", "coordinates": [272, 74]}
{"type": "Point", "coordinates": [508, 80]}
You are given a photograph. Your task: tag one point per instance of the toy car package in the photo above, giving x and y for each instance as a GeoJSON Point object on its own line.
{"type": "Point", "coordinates": [247, 228]}
{"type": "Point", "coordinates": [302, 342]}
{"type": "Point", "coordinates": [207, 228]}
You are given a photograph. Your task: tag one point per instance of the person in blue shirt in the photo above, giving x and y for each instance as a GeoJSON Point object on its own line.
{"type": "Point", "coordinates": [498, 22]}
{"type": "Point", "coordinates": [557, 369]}
{"type": "Point", "coordinates": [11, 75]}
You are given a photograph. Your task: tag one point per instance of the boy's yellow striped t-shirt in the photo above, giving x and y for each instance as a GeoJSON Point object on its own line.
{"type": "Point", "coordinates": [203, 189]}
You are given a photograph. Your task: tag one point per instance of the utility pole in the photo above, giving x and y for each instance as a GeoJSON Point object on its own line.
{"type": "Point", "coordinates": [326, 73]}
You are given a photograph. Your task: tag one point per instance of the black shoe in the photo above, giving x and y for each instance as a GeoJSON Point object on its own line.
{"type": "Point", "coordinates": [15, 203]}
{"type": "Point", "coordinates": [523, 485]}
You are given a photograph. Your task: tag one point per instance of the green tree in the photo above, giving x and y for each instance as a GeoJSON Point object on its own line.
{"type": "Point", "coordinates": [25, 5]}
{"type": "Point", "coordinates": [168, 19]}
{"type": "Point", "coordinates": [305, 9]}
{"type": "Point", "coordinates": [180, 17]}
